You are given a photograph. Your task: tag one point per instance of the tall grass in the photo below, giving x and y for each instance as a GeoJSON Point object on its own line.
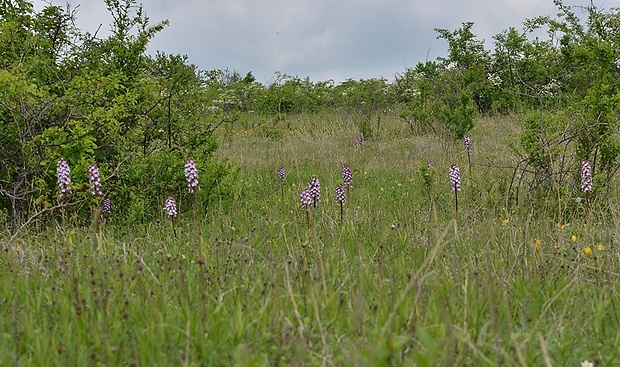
{"type": "Point", "coordinates": [397, 282]}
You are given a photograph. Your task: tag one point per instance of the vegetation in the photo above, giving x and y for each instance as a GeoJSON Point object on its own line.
{"type": "Point", "coordinates": [241, 273]}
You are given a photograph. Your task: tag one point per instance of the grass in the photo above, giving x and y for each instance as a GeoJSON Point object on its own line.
{"type": "Point", "coordinates": [398, 282]}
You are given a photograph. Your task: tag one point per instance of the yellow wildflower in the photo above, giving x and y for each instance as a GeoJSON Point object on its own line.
{"type": "Point", "coordinates": [573, 238]}
{"type": "Point", "coordinates": [600, 247]}
{"type": "Point", "coordinates": [560, 226]}
{"type": "Point", "coordinates": [587, 251]}
{"type": "Point", "coordinates": [505, 221]}
{"type": "Point", "coordinates": [538, 245]}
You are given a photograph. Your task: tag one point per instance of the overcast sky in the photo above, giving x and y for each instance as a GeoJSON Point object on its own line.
{"type": "Point", "coordinates": [320, 39]}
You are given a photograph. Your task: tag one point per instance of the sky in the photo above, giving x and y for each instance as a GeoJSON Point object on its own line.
{"type": "Point", "coordinates": [319, 39]}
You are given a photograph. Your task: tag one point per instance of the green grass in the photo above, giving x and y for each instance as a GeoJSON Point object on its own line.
{"type": "Point", "coordinates": [399, 282]}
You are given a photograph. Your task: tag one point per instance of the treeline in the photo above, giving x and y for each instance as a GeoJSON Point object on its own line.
{"type": "Point", "coordinates": [72, 94]}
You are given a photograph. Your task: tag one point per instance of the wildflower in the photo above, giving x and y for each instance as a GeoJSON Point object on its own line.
{"type": "Point", "coordinates": [171, 207]}
{"type": "Point", "coordinates": [106, 205]}
{"type": "Point", "coordinates": [586, 175]}
{"type": "Point", "coordinates": [347, 176]}
{"type": "Point", "coordinates": [573, 238]}
{"type": "Point", "coordinates": [538, 245]}
{"type": "Point", "coordinates": [306, 198]}
{"type": "Point", "coordinates": [600, 247]}
{"type": "Point", "coordinates": [455, 178]}
{"type": "Point", "coordinates": [191, 174]}
{"type": "Point", "coordinates": [587, 363]}
{"type": "Point", "coordinates": [467, 144]}
{"type": "Point", "coordinates": [94, 180]}
{"type": "Point", "coordinates": [281, 173]}
{"type": "Point", "coordinates": [560, 225]}
{"type": "Point", "coordinates": [430, 165]}
{"type": "Point", "coordinates": [505, 221]}
{"type": "Point", "coordinates": [64, 176]}
{"type": "Point", "coordinates": [315, 190]}
{"type": "Point", "coordinates": [341, 196]}
{"type": "Point", "coordinates": [587, 251]}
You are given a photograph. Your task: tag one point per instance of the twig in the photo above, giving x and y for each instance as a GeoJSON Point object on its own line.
{"type": "Point", "coordinates": [33, 218]}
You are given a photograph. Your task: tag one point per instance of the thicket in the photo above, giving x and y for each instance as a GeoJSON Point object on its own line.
{"type": "Point", "coordinates": [71, 94]}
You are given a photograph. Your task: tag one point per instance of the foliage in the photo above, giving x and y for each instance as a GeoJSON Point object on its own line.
{"type": "Point", "coordinates": [72, 94]}
{"type": "Point", "coordinates": [69, 94]}
{"type": "Point", "coordinates": [398, 282]}
{"type": "Point", "coordinates": [417, 90]}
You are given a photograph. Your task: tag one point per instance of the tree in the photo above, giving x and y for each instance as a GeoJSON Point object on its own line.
{"type": "Point", "coordinates": [65, 93]}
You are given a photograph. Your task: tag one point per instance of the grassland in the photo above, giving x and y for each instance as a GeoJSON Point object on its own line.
{"type": "Point", "coordinates": [399, 281]}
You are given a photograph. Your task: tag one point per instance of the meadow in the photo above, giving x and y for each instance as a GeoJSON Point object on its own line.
{"type": "Point", "coordinates": [400, 280]}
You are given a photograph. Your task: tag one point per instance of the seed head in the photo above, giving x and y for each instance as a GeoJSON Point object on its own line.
{"type": "Point", "coordinates": [467, 144]}
{"type": "Point", "coordinates": [455, 178]}
{"type": "Point", "coordinates": [341, 195]}
{"type": "Point", "coordinates": [191, 174]}
{"type": "Point", "coordinates": [63, 172]}
{"type": "Point", "coordinates": [315, 189]}
{"type": "Point", "coordinates": [586, 175]}
{"type": "Point", "coordinates": [361, 138]}
{"type": "Point", "coordinates": [106, 205]}
{"type": "Point", "coordinates": [94, 180]}
{"type": "Point", "coordinates": [281, 173]}
{"type": "Point", "coordinates": [347, 176]}
{"type": "Point", "coordinates": [306, 198]}
{"type": "Point", "coordinates": [171, 207]}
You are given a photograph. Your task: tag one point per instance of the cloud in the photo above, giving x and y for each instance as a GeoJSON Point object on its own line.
{"type": "Point", "coordinates": [322, 39]}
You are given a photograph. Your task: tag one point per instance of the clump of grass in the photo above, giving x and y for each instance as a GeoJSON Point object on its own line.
{"type": "Point", "coordinates": [427, 173]}
{"type": "Point", "coordinates": [390, 286]}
